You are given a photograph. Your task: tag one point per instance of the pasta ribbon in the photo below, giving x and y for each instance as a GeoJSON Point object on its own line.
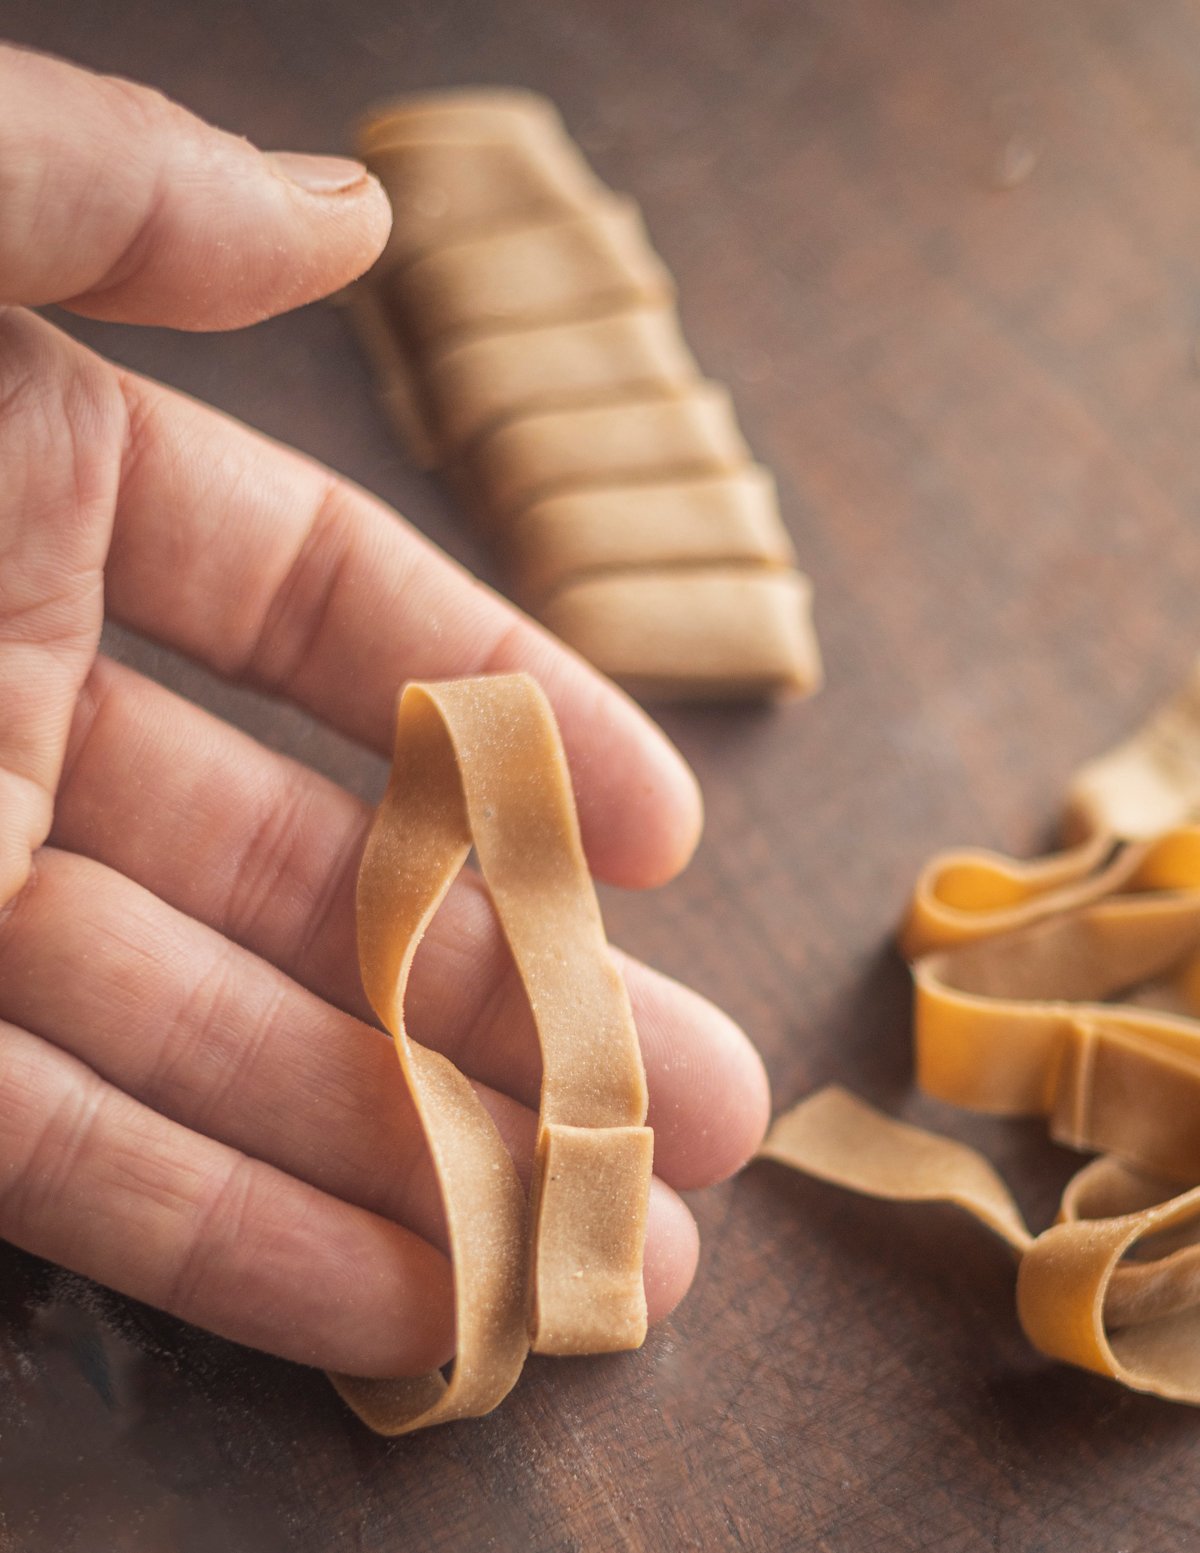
{"type": "Point", "coordinates": [1069, 989]}
{"type": "Point", "coordinates": [478, 762]}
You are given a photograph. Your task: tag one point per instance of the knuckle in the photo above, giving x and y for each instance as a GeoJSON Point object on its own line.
{"type": "Point", "coordinates": [267, 862]}
{"type": "Point", "coordinates": [219, 1222]}
{"type": "Point", "coordinates": [48, 1135]}
{"type": "Point", "coordinates": [139, 109]}
{"type": "Point", "coordinates": [63, 422]}
{"type": "Point", "coordinates": [213, 1044]}
{"type": "Point", "coordinates": [289, 636]}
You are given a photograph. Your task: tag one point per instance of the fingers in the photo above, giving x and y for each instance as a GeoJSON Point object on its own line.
{"type": "Point", "coordinates": [200, 1031]}
{"type": "Point", "coordinates": [62, 422]}
{"type": "Point", "coordinates": [122, 205]}
{"type": "Point", "coordinates": [94, 1180]}
{"type": "Point", "coordinates": [273, 571]}
{"type": "Point", "coordinates": [265, 852]}
{"type": "Point", "coordinates": [270, 569]}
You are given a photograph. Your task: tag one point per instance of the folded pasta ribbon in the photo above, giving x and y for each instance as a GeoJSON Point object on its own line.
{"type": "Point", "coordinates": [525, 337]}
{"type": "Point", "coordinates": [1070, 989]}
{"type": "Point", "coordinates": [1079, 1298]}
{"type": "Point", "coordinates": [479, 762]}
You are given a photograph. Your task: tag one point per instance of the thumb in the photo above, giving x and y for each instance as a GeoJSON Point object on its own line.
{"type": "Point", "coordinates": [119, 204]}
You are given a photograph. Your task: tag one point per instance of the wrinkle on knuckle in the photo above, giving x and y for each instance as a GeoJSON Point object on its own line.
{"type": "Point", "coordinates": [290, 634]}
{"type": "Point", "coordinates": [80, 155]}
{"type": "Point", "coordinates": [265, 863]}
{"type": "Point", "coordinates": [240, 1057]}
{"type": "Point", "coordinates": [216, 1225]}
{"type": "Point", "coordinates": [337, 887]}
{"type": "Point", "coordinates": [138, 246]}
{"type": "Point", "coordinates": [61, 1139]}
{"type": "Point", "coordinates": [499, 656]}
{"type": "Point", "coordinates": [214, 1045]}
{"type": "Point", "coordinates": [146, 124]}
{"type": "Point", "coordinates": [63, 423]}
{"type": "Point", "coordinates": [22, 1084]}
{"type": "Point", "coordinates": [44, 373]}
{"type": "Point", "coordinates": [194, 1036]}
{"type": "Point", "coordinates": [139, 108]}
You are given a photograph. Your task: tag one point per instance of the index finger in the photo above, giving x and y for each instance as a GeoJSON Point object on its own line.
{"type": "Point", "coordinates": [272, 570]}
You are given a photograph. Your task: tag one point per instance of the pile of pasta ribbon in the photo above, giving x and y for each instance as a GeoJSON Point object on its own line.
{"type": "Point", "coordinates": [479, 762]}
{"type": "Point", "coordinates": [526, 340]}
{"type": "Point", "coordinates": [1067, 988]}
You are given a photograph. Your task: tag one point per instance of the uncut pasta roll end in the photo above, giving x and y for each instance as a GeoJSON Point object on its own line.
{"type": "Point", "coordinates": [526, 341]}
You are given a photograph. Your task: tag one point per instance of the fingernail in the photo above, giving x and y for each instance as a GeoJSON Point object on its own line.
{"type": "Point", "coordinates": [317, 174]}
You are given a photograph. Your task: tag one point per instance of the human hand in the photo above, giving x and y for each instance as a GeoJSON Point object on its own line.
{"type": "Point", "coordinates": [193, 1107]}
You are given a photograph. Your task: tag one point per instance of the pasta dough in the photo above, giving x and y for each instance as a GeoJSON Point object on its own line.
{"type": "Point", "coordinates": [525, 338]}
{"type": "Point", "coordinates": [1069, 989]}
{"type": "Point", "coordinates": [479, 762]}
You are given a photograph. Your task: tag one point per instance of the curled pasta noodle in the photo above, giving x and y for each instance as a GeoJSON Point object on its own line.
{"type": "Point", "coordinates": [478, 762]}
{"type": "Point", "coordinates": [1068, 989]}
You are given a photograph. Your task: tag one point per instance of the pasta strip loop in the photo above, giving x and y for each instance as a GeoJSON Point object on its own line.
{"type": "Point", "coordinates": [479, 762]}
{"type": "Point", "coordinates": [1068, 989]}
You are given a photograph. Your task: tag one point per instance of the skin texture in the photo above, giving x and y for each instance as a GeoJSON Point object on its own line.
{"type": "Point", "coordinates": [194, 1106]}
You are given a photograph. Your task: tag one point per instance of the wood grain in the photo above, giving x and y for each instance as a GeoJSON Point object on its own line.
{"type": "Point", "coordinates": [947, 257]}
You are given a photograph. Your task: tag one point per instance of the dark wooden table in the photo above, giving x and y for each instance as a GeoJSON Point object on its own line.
{"type": "Point", "coordinates": [948, 257]}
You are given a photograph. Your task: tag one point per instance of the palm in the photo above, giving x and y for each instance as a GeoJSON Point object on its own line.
{"type": "Point", "coordinates": [193, 1106]}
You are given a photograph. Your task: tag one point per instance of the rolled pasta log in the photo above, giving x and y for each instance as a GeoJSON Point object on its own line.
{"type": "Point", "coordinates": [703, 632]}
{"type": "Point", "coordinates": [532, 349]}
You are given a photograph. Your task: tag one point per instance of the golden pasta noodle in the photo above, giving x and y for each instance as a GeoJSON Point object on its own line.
{"type": "Point", "coordinates": [1067, 989]}
{"type": "Point", "coordinates": [478, 762]}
